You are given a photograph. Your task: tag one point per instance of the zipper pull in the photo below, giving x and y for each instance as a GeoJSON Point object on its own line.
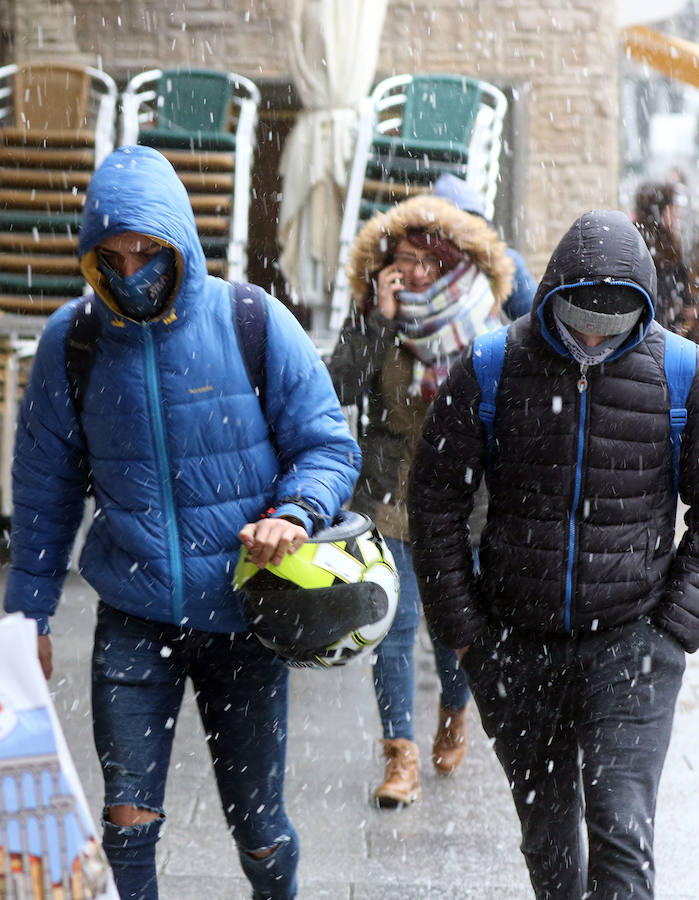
{"type": "Point", "coordinates": [582, 381]}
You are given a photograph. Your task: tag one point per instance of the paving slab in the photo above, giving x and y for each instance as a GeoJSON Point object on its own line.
{"type": "Point", "coordinates": [460, 842]}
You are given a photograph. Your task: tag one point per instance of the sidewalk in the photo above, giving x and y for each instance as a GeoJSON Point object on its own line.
{"type": "Point", "coordinates": [459, 843]}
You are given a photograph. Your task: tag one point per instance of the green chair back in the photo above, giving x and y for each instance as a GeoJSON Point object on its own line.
{"type": "Point", "coordinates": [440, 108]}
{"type": "Point", "coordinates": [193, 100]}
{"type": "Point", "coordinates": [193, 109]}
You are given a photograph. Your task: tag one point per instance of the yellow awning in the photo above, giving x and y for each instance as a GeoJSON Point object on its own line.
{"type": "Point", "coordinates": [674, 57]}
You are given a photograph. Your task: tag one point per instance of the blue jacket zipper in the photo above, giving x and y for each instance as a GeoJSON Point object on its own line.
{"type": "Point", "coordinates": [152, 386]}
{"type": "Point", "coordinates": [582, 388]}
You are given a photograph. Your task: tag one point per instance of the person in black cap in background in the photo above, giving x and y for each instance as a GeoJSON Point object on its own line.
{"type": "Point", "coordinates": [573, 632]}
{"type": "Point", "coordinates": [458, 192]}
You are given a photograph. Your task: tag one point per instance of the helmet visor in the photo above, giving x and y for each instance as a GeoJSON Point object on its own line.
{"type": "Point", "coordinates": [299, 624]}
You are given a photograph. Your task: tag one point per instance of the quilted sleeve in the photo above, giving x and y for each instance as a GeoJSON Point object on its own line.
{"type": "Point", "coordinates": [446, 472]}
{"type": "Point", "coordinates": [49, 483]}
{"type": "Point", "coordinates": [360, 353]}
{"type": "Point", "coordinates": [319, 457]}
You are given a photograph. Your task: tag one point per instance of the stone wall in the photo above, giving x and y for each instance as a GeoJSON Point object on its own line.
{"type": "Point", "coordinates": [46, 29]}
{"type": "Point", "coordinates": [560, 57]}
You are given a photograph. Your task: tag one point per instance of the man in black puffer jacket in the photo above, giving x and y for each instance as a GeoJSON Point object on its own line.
{"type": "Point", "coordinates": [573, 633]}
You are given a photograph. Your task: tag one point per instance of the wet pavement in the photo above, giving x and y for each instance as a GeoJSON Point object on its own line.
{"type": "Point", "coordinates": [460, 842]}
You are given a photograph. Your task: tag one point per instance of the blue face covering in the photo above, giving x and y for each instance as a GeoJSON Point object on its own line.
{"type": "Point", "coordinates": [144, 294]}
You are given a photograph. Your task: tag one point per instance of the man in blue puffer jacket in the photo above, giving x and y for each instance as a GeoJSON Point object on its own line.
{"type": "Point", "coordinates": [183, 470]}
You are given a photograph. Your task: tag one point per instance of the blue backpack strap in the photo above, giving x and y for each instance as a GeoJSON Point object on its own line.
{"type": "Point", "coordinates": [680, 367]}
{"type": "Point", "coordinates": [250, 320]}
{"type": "Point", "coordinates": [488, 357]}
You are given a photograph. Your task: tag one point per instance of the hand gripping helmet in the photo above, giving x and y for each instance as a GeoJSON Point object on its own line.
{"type": "Point", "coordinates": [331, 601]}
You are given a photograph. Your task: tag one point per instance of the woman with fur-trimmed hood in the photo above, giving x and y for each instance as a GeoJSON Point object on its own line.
{"type": "Point", "coordinates": [426, 279]}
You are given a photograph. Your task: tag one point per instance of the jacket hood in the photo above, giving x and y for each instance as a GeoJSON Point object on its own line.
{"type": "Point", "coordinates": [375, 242]}
{"type": "Point", "coordinates": [136, 189]}
{"type": "Point", "coordinates": [602, 246]}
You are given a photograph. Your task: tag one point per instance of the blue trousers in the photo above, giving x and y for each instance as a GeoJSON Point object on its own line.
{"type": "Point", "coordinates": [581, 727]}
{"type": "Point", "coordinates": [139, 670]}
{"type": "Point", "coordinates": [394, 675]}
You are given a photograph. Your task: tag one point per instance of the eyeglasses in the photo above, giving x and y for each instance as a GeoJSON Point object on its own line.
{"type": "Point", "coordinates": [409, 261]}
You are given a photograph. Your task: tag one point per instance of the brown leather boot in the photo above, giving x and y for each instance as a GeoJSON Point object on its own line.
{"type": "Point", "coordinates": [450, 741]}
{"type": "Point", "coordinates": [402, 784]}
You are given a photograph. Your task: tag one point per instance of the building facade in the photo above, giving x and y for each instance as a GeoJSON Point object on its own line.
{"type": "Point", "coordinates": [558, 62]}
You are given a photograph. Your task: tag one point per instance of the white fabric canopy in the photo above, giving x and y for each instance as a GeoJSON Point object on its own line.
{"type": "Point", "coordinates": [333, 49]}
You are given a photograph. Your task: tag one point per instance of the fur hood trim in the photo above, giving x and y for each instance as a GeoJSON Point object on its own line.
{"type": "Point", "coordinates": [471, 234]}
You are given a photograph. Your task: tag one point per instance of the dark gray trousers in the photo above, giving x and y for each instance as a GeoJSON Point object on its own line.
{"type": "Point", "coordinates": [581, 726]}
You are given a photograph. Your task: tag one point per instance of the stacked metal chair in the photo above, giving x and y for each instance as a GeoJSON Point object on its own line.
{"type": "Point", "coordinates": [204, 122]}
{"type": "Point", "coordinates": [412, 129]}
{"type": "Point", "coordinates": [57, 123]}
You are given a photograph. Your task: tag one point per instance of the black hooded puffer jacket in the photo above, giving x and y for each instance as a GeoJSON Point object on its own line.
{"type": "Point", "coordinates": [581, 520]}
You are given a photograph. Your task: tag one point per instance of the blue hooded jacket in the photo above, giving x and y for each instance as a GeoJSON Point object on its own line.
{"type": "Point", "coordinates": [178, 449]}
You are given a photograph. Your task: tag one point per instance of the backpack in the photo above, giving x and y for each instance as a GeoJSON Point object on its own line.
{"type": "Point", "coordinates": [249, 311]}
{"type": "Point", "coordinates": [680, 361]}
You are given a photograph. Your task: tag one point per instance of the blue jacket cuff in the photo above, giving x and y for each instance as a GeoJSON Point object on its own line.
{"type": "Point", "coordinates": [42, 623]}
{"type": "Point", "coordinates": [290, 509]}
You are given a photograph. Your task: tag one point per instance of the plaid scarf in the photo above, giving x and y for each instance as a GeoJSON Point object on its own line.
{"type": "Point", "coordinates": [439, 324]}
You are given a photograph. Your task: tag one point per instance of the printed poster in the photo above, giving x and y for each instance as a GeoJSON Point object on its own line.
{"type": "Point", "coordinates": [49, 847]}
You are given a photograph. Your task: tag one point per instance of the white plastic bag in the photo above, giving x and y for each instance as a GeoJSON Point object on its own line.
{"type": "Point", "coordinates": [48, 844]}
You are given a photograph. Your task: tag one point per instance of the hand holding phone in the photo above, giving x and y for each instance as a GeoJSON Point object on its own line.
{"type": "Point", "coordinates": [390, 281]}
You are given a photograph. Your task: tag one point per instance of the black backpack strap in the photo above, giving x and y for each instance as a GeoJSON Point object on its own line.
{"type": "Point", "coordinates": [250, 309]}
{"type": "Point", "coordinates": [80, 348]}
{"type": "Point", "coordinates": [250, 321]}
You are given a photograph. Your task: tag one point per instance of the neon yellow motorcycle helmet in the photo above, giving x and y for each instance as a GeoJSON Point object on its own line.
{"type": "Point", "coordinates": [329, 602]}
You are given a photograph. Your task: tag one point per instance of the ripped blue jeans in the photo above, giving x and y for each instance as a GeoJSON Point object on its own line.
{"type": "Point", "coordinates": [139, 671]}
